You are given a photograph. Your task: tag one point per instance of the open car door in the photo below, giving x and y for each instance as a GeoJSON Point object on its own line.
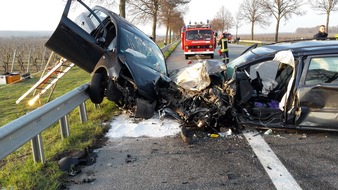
{"type": "Point", "coordinates": [76, 44]}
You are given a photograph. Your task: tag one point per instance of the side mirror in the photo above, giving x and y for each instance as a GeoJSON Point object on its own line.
{"type": "Point", "coordinates": [215, 34]}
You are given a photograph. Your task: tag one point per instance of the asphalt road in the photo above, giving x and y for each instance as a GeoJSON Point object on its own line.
{"type": "Point", "coordinates": [288, 160]}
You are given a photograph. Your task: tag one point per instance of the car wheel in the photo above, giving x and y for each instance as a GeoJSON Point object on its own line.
{"type": "Point", "coordinates": [212, 56]}
{"type": "Point", "coordinates": [96, 89]}
{"type": "Point", "coordinates": [186, 57]}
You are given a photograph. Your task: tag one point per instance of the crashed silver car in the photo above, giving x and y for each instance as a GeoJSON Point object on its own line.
{"type": "Point", "coordinates": [284, 85]}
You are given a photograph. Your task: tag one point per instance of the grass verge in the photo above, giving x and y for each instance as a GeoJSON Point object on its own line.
{"type": "Point", "coordinates": [18, 170]}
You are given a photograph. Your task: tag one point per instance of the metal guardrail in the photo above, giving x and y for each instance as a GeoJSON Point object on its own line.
{"type": "Point", "coordinates": [28, 127]}
{"type": "Point", "coordinates": [167, 47]}
{"type": "Point", "coordinates": [254, 42]}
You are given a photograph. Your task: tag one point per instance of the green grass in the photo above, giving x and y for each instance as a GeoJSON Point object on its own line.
{"type": "Point", "coordinates": [18, 170]}
{"type": "Point", "coordinates": [171, 49]}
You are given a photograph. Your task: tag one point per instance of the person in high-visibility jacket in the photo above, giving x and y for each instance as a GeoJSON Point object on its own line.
{"type": "Point", "coordinates": [223, 42]}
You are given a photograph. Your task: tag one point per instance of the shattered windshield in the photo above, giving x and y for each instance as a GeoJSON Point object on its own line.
{"type": "Point", "coordinates": [144, 50]}
{"type": "Point", "coordinates": [239, 60]}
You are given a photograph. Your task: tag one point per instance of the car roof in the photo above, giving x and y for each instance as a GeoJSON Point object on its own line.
{"type": "Point", "coordinates": [298, 46]}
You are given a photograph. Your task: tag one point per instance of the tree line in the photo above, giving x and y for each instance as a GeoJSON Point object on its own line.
{"type": "Point", "coordinates": [170, 13]}
{"type": "Point", "coordinates": [262, 12]}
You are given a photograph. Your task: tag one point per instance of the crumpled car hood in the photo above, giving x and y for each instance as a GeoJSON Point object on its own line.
{"type": "Point", "coordinates": [196, 77]}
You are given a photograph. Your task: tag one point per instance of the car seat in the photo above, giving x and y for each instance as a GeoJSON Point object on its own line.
{"type": "Point", "coordinates": [282, 82]}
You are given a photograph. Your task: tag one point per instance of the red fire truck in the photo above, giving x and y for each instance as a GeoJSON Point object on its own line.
{"type": "Point", "coordinates": [198, 39]}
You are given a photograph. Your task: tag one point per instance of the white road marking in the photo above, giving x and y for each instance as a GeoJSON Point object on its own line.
{"type": "Point", "coordinates": [279, 175]}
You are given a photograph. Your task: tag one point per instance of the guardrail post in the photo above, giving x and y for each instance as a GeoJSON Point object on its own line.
{"type": "Point", "coordinates": [37, 149]}
{"type": "Point", "coordinates": [64, 127]}
{"type": "Point", "coordinates": [83, 112]}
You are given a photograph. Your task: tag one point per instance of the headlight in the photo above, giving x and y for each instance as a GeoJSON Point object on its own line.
{"type": "Point", "coordinates": [186, 47]}
{"type": "Point", "coordinates": [210, 46]}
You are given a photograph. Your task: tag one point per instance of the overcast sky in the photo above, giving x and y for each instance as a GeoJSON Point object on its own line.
{"type": "Point", "coordinates": [45, 15]}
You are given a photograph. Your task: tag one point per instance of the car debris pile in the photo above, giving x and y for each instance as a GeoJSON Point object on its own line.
{"type": "Point", "coordinates": [196, 96]}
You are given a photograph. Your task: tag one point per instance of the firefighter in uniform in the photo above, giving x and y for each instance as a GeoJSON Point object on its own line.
{"type": "Point", "coordinates": [224, 52]}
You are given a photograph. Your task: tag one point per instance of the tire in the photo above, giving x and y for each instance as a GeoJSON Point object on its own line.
{"type": "Point", "coordinates": [96, 89]}
{"type": "Point", "coordinates": [211, 56]}
{"type": "Point", "coordinates": [186, 56]}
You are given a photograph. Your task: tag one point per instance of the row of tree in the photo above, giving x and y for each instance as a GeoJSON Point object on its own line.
{"type": "Point", "coordinates": [169, 13]}
{"type": "Point", "coordinates": [261, 11]}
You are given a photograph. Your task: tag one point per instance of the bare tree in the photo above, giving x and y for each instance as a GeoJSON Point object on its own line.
{"type": "Point", "coordinates": [223, 20]}
{"type": "Point", "coordinates": [238, 24]}
{"type": "Point", "coordinates": [122, 8]}
{"type": "Point", "coordinates": [325, 7]}
{"type": "Point", "coordinates": [176, 24]}
{"type": "Point", "coordinates": [144, 10]}
{"type": "Point", "coordinates": [216, 25]}
{"type": "Point", "coordinates": [252, 11]}
{"type": "Point", "coordinates": [170, 11]}
{"type": "Point", "coordinates": [282, 9]}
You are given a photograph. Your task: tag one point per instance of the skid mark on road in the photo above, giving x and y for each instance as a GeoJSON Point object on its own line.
{"type": "Point", "coordinates": [279, 175]}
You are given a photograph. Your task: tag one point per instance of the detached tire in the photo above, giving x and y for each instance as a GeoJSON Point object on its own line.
{"type": "Point", "coordinates": [96, 89]}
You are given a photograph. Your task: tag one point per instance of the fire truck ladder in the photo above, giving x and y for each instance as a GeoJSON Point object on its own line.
{"type": "Point", "coordinates": [49, 80]}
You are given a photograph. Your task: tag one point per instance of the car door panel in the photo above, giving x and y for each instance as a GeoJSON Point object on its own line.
{"type": "Point", "coordinates": [318, 94]}
{"type": "Point", "coordinates": [75, 44]}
